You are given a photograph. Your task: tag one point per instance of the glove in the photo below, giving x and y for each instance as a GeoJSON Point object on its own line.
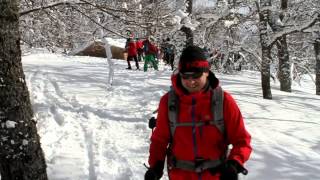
{"type": "Point", "coordinates": [152, 122]}
{"type": "Point", "coordinates": [231, 169]}
{"type": "Point", "coordinates": [151, 175]}
{"type": "Point", "coordinates": [156, 172]}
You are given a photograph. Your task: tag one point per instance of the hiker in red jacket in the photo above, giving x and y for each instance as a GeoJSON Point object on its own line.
{"type": "Point", "coordinates": [191, 130]}
{"type": "Point", "coordinates": [139, 45]}
{"type": "Point", "coordinates": [132, 52]}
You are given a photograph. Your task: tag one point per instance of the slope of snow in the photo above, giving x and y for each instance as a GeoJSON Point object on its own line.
{"type": "Point", "coordinates": [91, 132]}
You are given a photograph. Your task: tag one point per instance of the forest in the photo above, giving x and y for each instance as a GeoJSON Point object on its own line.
{"type": "Point", "coordinates": [281, 34]}
{"type": "Point", "coordinates": [278, 38]}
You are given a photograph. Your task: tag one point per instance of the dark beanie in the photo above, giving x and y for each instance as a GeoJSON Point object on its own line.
{"type": "Point", "coordinates": [193, 59]}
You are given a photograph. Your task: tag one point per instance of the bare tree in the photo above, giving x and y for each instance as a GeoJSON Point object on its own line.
{"type": "Point", "coordinates": [264, 14]}
{"type": "Point", "coordinates": [21, 156]}
{"type": "Point", "coordinates": [317, 54]}
{"type": "Point", "coordinates": [283, 54]}
{"type": "Point", "coordinates": [185, 29]}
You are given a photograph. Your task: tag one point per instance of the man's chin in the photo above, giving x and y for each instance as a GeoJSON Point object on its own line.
{"type": "Point", "coordinates": [192, 90]}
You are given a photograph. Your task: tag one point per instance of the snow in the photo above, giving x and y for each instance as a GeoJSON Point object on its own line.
{"type": "Point", "coordinates": [10, 124]}
{"type": "Point", "coordinates": [89, 131]}
{"type": "Point", "coordinates": [117, 42]}
{"type": "Point", "coordinates": [112, 42]}
{"type": "Point", "coordinates": [181, 18]}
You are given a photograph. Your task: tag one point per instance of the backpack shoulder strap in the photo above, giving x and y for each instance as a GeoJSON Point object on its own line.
{"type": "Point", "coordinates": [172, 111]}
{"type": "Point", "coordinates": [217, 108]}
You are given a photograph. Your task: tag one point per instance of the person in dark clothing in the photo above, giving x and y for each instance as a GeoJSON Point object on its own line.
{"type": "Point", "coordinates": [169, 53]}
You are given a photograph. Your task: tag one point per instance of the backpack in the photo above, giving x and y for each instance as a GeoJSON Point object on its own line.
{"type": "Point", "coordinates": [216, 109]}
{"type": "Point", "coordinates": [199, 164]}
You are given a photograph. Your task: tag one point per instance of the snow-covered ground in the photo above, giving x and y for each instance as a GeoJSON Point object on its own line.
{"type": "Point", "coordinates": [91, 132]}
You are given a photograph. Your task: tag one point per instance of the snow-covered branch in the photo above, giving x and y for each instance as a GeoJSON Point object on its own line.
{"type": "Point", "coordinates": [258, 59]}
{"type": "Point", "coordinates": [105, 8]}
{"type": "Point", "coordinates": [301, 28]}
{"type": "Point", "coordinates": [63, 3]}
{"type": "Point", "coordinates": [97, 23]}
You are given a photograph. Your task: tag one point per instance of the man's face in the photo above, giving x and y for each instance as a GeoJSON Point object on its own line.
{"type": "Point", "coordinates": [194, 81]}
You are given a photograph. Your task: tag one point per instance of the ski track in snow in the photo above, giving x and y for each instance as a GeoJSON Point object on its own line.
{"type": "Point", "coordinates": [100, 128]}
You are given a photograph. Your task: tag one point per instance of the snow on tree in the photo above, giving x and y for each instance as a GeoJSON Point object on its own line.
{"type": "Point", "coordinates": [230, 26]}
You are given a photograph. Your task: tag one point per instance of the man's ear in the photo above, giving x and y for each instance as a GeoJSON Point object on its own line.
{"type": "Point", "coordinates": [206, 74]}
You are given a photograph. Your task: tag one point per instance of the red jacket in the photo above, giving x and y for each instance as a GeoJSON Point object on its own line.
{"type": "Point", "coordinates": [208, 138]}
{"type": "Point", "coordinates": [149, 48]}
{"type": "Point", "coordinates": [131, 48]}
{"type": "Point", "coordinates": [139, 44]}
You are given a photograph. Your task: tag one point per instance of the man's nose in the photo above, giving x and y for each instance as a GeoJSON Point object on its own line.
{"type": "Point", "coordinates": [191, 81]}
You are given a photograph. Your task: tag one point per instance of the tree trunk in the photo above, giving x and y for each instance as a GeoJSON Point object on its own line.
{"type": "Point", "coordinates": [283, 55]}
{"type": "Point", "coordinates": [265, 73]}
{"type": "Point", "coordinates": [189, 35]}
{"type": "Point", "coordinates": [317, 53]}
{"type": "Point", "coordinates": [265, 49]}
{"type": "Point", "coordinates": [189, 8]}
{"type": "Point", "coordinates": [187, 30]}
{"type": "Point", "coordinates": [284, 65]}
{"type": "Point", "coordinates": [21, 157]}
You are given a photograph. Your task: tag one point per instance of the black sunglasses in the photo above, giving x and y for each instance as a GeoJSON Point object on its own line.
{"type": "Point", "coordinates": [192, 75]}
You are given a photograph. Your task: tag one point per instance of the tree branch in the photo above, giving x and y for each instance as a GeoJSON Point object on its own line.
{"type": "Point", "coordinates": [301, 28]}
{"type": "Point", "coordinates": [103, 9]}
{"type": "Point", "coordinates": [46, 7]}
{"type": "Point", "coordinates": [91, 19]}
{"type": "Point", "coordinates": [258, 60]}
{"type": "Point", "coordinates": [107, 11]}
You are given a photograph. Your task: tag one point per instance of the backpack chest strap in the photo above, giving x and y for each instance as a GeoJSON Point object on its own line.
{"type": "Point", "coordinates": [216, 109]}
{"type": "Point", "coordinates": [196, 124]}
{"type": "Point", "coordinates": [198, 165]}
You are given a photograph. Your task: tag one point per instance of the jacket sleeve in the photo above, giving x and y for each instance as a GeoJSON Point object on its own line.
{"type": "Point", "coordinates": [237, 134]}
{"type": "Point", "coordinates": [161, 135]}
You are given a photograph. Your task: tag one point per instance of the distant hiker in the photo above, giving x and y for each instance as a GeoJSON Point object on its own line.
{"type": "Point", "coordinates": [196, 122]}
{"type": "Point", "coordinates": [206, 52]}
{"type": "Point", "coordinates": [150, 51]}
{"type": "Point", "coordinates": [162, 50]}
{"type": "Point", "coordinates": [139, 45]}
{"type": "Point", "coordinates": [132, 52]}
{"type": "Point", "coordinates": [216, 59]}
{"type": "Point", "coordinates": [169, 51]}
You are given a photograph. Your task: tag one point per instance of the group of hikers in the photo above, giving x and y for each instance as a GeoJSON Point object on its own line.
{"type": "Point", "coordinates": [147, 50]}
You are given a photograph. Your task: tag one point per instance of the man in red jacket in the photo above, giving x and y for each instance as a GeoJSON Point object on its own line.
{"type": "Point", "coordinates": [132, 52]}
{"type": "Point", "coordinates": [198, 149]}
{"type": "Point", "coordinates": [139, 44]}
